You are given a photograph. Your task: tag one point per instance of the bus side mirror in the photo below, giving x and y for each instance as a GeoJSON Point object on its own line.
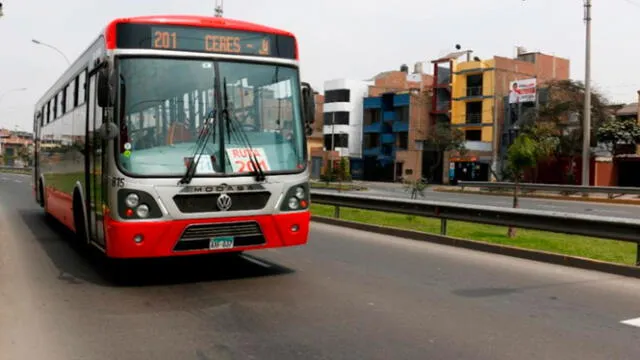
{"type": "Point", "coordinates": [103, 88]}
{"type": "Point", "coordinates": [108, 131]}
{"type": "Point", "coordinates": [308, 103]}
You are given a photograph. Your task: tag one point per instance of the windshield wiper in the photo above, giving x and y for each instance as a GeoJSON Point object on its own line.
{"type": "Point", "coordinates": [201, 145]}
{"type": "Point", "coordinates": [241, 135]}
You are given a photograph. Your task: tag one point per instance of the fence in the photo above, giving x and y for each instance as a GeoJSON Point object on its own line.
{"type": "Point", "coordinates": [611, 191]}
{"type": "Point", "coordinates": [610, 228]}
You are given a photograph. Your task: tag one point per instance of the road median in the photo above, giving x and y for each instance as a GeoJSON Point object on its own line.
{"type": "Point", "coordinates": [616, 257]}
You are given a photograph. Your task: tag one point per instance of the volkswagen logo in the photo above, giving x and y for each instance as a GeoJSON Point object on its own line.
{"type": "Point", "coordinates": [224, 202]}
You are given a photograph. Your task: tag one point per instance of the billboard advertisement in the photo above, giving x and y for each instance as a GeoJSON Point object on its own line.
{"type": "Point", "coordinates": [521, 91]}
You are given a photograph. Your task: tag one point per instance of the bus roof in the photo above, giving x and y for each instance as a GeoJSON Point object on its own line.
{"type": "Point", "coordinates": [190, 20]}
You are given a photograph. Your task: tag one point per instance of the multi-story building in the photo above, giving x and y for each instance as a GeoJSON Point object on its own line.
{"type": "Point", "coordinates": [343, 116]}
{"type": "Point", "coordinates": [12, 143]}
{"type": "Point", "coordinates": [481, 89]}
{"type": "Point", "coordinates": [396, 119]}
{"type": "Point", "coordinates": [315, 141]}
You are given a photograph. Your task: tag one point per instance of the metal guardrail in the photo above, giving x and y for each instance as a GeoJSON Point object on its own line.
{"type": "Point", "coordinates": [611, 191]}
{"type": "Point", "coordinates": [26, 168]}
{"type": "Point", "coordinates": [604, 227]}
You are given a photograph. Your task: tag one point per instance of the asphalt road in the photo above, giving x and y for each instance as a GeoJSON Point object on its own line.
{"type": "Point", "coordinates": [576, 207]}
{"type": "Point", "coordinates": [347, 295]}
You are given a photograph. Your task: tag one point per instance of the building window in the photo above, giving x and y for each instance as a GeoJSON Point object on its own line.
{"type": "Point", "coordinates": [474, 112]}
{"type": "Point", "coordinates": [474, 85]}
{"type": "Point", "coordinates": [473, 135]}
{"type": "Point", "coordinates": [402, 113]}
{"type": "Point", "coordinates": [341, 118]}
{"type": "Point", "coordinates": [338, 140]}
{"type": "Point", "coordinates": [371, 116]}
{"type": "Point", "coordinates": [371, 141]}
{"type": "Point", "coordinates": [403, 140]}
{"type": "Point", "coordinates": [331, 96]}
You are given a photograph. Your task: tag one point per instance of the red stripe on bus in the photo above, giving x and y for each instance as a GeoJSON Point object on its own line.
{"type": "Point", "coordinates": [60, 205]}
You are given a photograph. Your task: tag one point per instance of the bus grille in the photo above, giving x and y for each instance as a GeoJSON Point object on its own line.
{"type": "Point", "coordinates": [207, 203]}
{"type": "Point", "coordinates": [197, 237]}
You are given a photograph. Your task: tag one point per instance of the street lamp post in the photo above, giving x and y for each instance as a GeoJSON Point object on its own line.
{"type": "Point", "coordinates": [53, 48]}
{"type": "Point", "coordinates": [586, 126]}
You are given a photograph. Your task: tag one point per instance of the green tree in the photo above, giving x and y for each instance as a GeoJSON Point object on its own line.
{"type": "Point", "coordinates": [524, 154]}
{"type": "Point", "coordinates": [618, 135]}
{"type": "Point", "coordinates": [442, 138]}
{"type": "Point", "coordinates": [565, 102]}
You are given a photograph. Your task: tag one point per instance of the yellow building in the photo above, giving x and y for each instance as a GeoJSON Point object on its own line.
{"type": "Point", "coordinates": [472, 108]}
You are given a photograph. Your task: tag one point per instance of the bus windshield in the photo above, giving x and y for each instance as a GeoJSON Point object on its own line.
{"type": "Point", "coordinates": [165, 103]}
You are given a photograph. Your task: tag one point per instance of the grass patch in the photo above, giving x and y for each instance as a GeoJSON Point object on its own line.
{"type": "Point", "coordinates": [336, 186]}
{"type": "Point", "coordinates": [604, 250]}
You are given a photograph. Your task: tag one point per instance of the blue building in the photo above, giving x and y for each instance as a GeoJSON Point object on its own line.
{"type": "Point", "coordinates": [386, 146]}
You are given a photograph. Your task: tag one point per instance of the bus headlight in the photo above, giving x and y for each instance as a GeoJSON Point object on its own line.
{"type": "Point", "coordinates": [293, 203]}
{"type": "Point", "coordinates": [132, 200]}
{"type": "Point", "coordinates": [300, 194]}
{"type": "Point", "coordinates": [142, 211]}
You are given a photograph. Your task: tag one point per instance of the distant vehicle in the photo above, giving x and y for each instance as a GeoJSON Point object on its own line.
{"type": "Point", "coordinates": [178, 135]}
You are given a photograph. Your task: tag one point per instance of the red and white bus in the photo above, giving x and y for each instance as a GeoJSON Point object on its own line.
{"type": "Point", "coordinates": [178, 135]}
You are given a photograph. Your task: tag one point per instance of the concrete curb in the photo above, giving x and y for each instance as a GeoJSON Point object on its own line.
{"type": "Point", "coordinates": [535, 255]}
{"type": "Point", "coordinates": [549, 197]}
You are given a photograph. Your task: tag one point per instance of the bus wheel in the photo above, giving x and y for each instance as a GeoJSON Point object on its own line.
{"type": "Point", "coordinates": [119, 271]}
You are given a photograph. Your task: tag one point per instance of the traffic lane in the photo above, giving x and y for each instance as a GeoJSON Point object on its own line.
{"type": "Point", "coordinates": [193, 308]}
{"type": "Point", "coordinates": [497, 306]}
{"type": "Point", "coordinates": [579, 207]}
{"type": "Point", "coordinates": [346, 295]}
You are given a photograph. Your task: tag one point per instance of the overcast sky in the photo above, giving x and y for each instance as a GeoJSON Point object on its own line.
{"type": "Point", "coordinates": [337, 38]}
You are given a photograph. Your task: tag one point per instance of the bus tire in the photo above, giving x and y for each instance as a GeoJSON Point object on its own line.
{"type": "Point", "coordinates": [78, 220]}
{"type": "Point", "coordinates": [118, 271]}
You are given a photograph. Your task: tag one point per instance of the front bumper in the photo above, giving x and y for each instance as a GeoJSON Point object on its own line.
{"type": "Point", "coordinates": [161, 238]}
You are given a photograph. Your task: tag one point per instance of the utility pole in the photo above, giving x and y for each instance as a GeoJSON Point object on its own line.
{"type": "Point", "coordinates": [586, 125]}
{"type": "Point", "coordinates": [219, 8]}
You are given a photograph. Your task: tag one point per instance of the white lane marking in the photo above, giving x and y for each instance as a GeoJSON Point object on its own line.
{"type": "Point", "coordinates": [256, 261]}
{"type": "Point", "coordinates": [632, 322]}
{"type": "Point", "coordinates": [16, 180]}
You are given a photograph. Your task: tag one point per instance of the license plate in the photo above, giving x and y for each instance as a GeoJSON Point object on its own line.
{"type": "Point", "coordinates": [221, 243]}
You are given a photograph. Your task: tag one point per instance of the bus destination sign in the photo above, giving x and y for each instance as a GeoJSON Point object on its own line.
{"type": "Point", "coordinates": [199, 39]}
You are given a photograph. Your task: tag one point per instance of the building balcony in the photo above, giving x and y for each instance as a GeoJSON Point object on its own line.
{"type": "Point", "coordinates": [400, 126]}
{"type": "Point", "coordinates": [472, 119]}
{"type": "Point", "coordinates": [389, 116]}
{"type": "Point", "coordinates": [374, 151]}
{"type": "Point", "coordinates": [442, 106]}
{"type": "Point", "coordinates": [372, 103]}
{"type": "Point", "coordinates": [388, 139]}
{"type": "Point", "coordinates": [478, 146]}
{"type": "Point", "coordinates": [401, 100]}
{"type": "Point", "coordinates": [473, 91]}
{"type": "Point", "coordinates": [373, 128]}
